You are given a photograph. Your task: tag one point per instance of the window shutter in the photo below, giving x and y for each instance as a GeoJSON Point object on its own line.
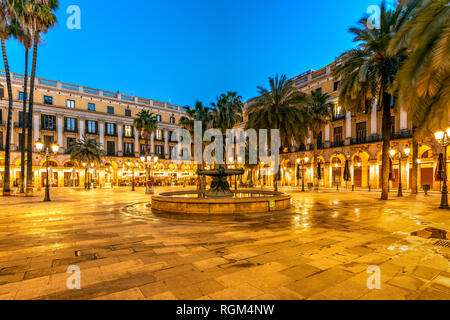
{"type": "Point", "coordinates": [86, 129]}
{"type": "Point", "coordinates": [96, 127]}
{"type": "Point", "coordinates": [42, 121]}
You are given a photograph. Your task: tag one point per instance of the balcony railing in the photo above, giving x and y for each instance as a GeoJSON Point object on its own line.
{"type": "Point", "coordinates": [127, 136]}
{"type": "Point", "coordinates": [107, 134]}
{"type": "Point", "coordinates": [407, 134]}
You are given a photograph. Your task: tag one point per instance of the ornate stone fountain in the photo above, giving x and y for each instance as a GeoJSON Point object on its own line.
{"type": "Point", "coordinates": [220, 199]}
{"type": "Point", "coordinates": [220, 188]}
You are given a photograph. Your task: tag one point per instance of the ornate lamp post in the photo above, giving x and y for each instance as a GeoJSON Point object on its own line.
{"type": "Point", "coordinates": [132, 166]}
{"type": "Point", "coordinates": [393, 152]}
{"type": "Point", "coordinates": [148, 162]}
{"type": "Point", "coordinates": [301, 168]}
{"type": "Point", "coordinates": [54, 150]}
{"type": "Point", "coordinates": [443, 138]}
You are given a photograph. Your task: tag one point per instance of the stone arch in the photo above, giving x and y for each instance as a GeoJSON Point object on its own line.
{"type": "Point", "coordinates": [426, 152]}
{"type": "Point", "coordinates": [360, 157]}
{"type": "Point", "coordinates": [52, 163]}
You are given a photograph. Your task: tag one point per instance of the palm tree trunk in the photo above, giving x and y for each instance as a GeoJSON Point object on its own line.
{"type": "Point", "coordinates": [386, 131]}
{"type": "Point", "coordinates": [415, 165]}
{"type": "Point", "coordinates": [22, 139]}
{"type": "Point", "coordinates": [275, 181]}
{"type": "Point", "coordinates": [7, 177]}
{"type": "Point", "coordinates": [29, 190]}
{"type": "Point", "coordinates": [315, 167]}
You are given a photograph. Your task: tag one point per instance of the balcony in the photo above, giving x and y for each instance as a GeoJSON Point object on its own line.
{"type": "Point", "coordinates": [337, 117]}
{"type": "Point", "coordinates": [337, 144]}
{"type": "Point", "coordinates": [111, 154]}
{"type": "Point", "coordinates": [19, 125]}
{"type": "Point", "coordinates": [128, 154]}
{"type": "Point", "coordinates": [48, 128]}
{"type": "Point", "coordinates": [407, 134]}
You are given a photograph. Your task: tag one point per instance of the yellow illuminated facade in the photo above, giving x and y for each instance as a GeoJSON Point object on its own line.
{"type": "Point", "coordinates": [63, 113]}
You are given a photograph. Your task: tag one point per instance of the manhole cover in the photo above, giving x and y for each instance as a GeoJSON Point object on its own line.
{"type": "Point", "coordinates": [443, 243]}
{"type": "Point", "coordinates": [432, 233]}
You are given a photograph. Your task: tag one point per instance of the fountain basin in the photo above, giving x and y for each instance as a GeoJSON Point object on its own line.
{"type": "Point", "coordinates": [243, 201]}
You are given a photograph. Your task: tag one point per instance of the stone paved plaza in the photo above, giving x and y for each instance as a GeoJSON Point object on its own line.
{"type": "Point", "coordinates": [321, 249]}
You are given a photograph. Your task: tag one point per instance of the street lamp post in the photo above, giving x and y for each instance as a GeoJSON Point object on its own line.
{"type": "Point", "coordinates": [301, 164]}
{"type": "Point", "coordinates": [54, 149]}
{"type": "Point", "coordinates": [443, 138]}
{"type": "Point", "coordinates": [393, 152]}
{"type": "Point", "coordinates": [148, 161]}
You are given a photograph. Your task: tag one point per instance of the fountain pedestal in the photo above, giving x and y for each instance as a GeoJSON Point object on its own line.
{"type": "Point", "coordinates": [220, 188]}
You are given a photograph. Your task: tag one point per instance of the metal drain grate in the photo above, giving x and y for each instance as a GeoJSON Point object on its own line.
{"type": "Point", "coordinates": [443, 243]}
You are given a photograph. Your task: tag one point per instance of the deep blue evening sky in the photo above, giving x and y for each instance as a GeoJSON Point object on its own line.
{"type": "Point", "coordinates": [184, 50]}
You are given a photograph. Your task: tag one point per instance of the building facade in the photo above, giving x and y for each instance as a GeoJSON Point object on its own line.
{"type": "Point", "coordinates": [64, 113]}
{"type": "Point", "coordinates": [357, 139]}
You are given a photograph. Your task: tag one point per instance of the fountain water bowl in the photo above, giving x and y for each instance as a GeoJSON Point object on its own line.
{"type": "Point", "coordinates": [219, 199]}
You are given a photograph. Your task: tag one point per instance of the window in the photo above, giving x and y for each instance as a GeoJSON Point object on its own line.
{"type": "Point", "coordinates": [159, 150]}
{"type": "Point", "coordinates": [20, 141]}
{"type": "Point", "coordinates": [143, 149]}
{"type": "Point", "coordinates": [319, 90]}
{"type": "Point", "coordinates": [128, 148]}
{"type": "Point", "coordinates": [361, 132]}
{"type": "Point", "coordinates": [337, 112]}
{"type": "Point", "coordinates": [91, 127]}
{"type": "Point", "coordinates": [91, 106]}
{"type": "Point", "coordinates": [110, 148]}
{"type": "Point", "coordinates": [320, 140]}
{"type": "Point", "coordinates": [158, 118]}
{"type": "Point", "coordinates": [172, 120]}
{"type": "Point", "coordinates": [128, 131]}
{"type": "Point", "coordinates": [336, 85]}
{"type": "Point", "coordinates": [393, 125]}
{"type": "Point", "coordinates": [159, 135]}
{"type": "Point", "coordinates": [110, 129]}
{"type": "Point", "coordinates": [70, 124]}
{"type": "Point", "coordinates": [127, 113]}
{"type": "Point", "coordinates": [2, 92]}
{"type": "Point", "coordinates": [1, 139]}
{"type": "Point", "coordinates": [21, 96]}
{"type": "Point", "coordinates": [338, 132]}
{"type": "Point", "coordinates": [70, 104]}
{"type": "Point", "coordinates": [48, 122]}
{"type": "Point", "coordinates": [70, 142]}
{"type": "Point", "coordinates": [21, 120]}
{"type": "Point", "coordinates": [110, 110]}
{"type": "Point", "coordinates": [48, 141]}
{"type": "Point", "coordinates": [173, 152]}
{"type": "Point", "coordinates": [48, 100]}
{"type": "Point", "coordinates": [1, 116]}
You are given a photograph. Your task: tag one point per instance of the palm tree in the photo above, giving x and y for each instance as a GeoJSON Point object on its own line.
{"type": "Point", "coordinates": [86, 151]}
{"type": "Point", "coordinates": [5, 33]}
{"type": "Point", "coordinates": [146, 124]}
{"type": "Point", "coordinates": [368, 72]}
{"type": "Point", "coordinates": [37, 17]}
{"type": "Point", "coordinates": [283, 108]}
{"type": "Point", "coordinates": [23, 36]}
{"type": "Point", "coordinates": [320, 113]}
{"type": "Point", "coordinates": [198, 113]}
{"type": "Point", "coordinates": [227, 111]}
{"type": "Point", "coordinates": [423, 80]}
